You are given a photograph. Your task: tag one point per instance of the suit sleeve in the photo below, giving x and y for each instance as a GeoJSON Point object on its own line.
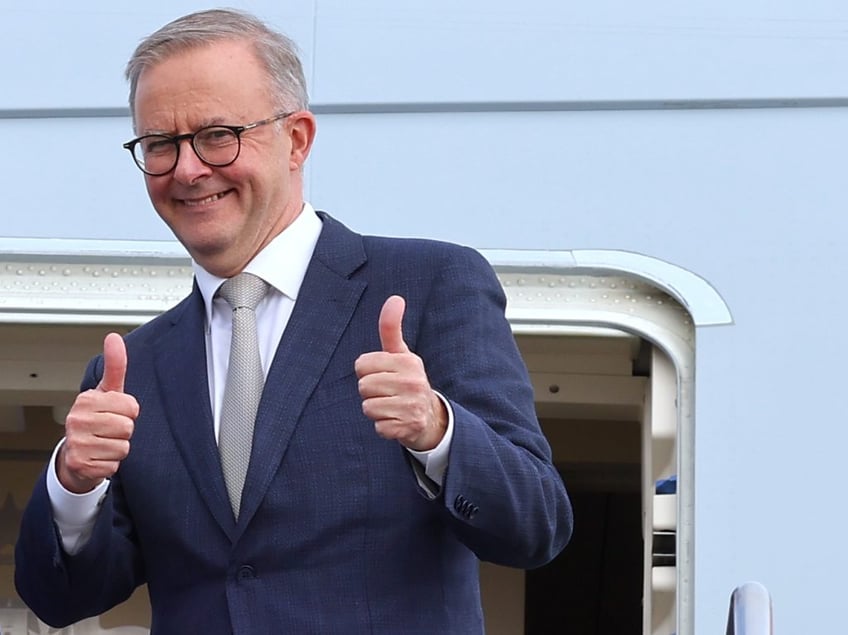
{"type": "Point", "coordinates": [62, 589]}
{"type": "Point", "coordinates": [502, 496]}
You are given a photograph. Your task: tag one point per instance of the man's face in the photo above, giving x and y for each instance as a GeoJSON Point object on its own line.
{"type": "Point", "coordinates": [223, 215]}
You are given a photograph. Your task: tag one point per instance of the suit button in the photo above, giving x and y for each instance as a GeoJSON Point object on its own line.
{"type": "Point", "coordinates": [246, 572]}
{"type": "Point", "coordinates": [459, 503]}
{"type": "Point", "coordinates": [465, 507]}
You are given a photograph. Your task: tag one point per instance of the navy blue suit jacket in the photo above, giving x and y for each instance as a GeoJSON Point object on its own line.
{"type": "Point", "coordinates": [335, 534]}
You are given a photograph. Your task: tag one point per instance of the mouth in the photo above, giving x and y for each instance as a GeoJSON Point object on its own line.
{"type": "Point", "coordinates": [206, 200]}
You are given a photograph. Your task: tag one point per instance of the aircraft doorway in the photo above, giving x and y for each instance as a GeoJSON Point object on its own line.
{"type": "Point", "coordinates": [606, 401]}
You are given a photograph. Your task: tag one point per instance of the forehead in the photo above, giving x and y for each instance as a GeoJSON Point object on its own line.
{"type": "Point", "coordinates": [219, 81]}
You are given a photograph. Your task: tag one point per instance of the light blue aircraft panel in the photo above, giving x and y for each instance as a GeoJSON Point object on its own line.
{"type": "Point", "coordinates": [70, 178]}
{"type": "Point", "coordinates": [676, 182]}
{"type": "Point", "coordinates": [72, 55]}
{"type": "Point", "coordinates": [374, 51]}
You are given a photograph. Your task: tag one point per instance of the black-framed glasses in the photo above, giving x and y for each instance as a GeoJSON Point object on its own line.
{"type": "Point", "coordinates": [218, 146]}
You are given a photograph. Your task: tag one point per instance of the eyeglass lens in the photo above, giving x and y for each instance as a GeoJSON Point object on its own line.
{"type": "Point", "coordinates": [215, 145]}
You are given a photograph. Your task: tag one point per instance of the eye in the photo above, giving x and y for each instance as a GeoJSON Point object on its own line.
{"type": "Point", "coordinates": [156, 144]}
{"type": "Point", "coordinates": [215, 137]}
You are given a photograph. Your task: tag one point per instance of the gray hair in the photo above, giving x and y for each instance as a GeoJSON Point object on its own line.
{"type": "Point", "coordinates": [275, 51]}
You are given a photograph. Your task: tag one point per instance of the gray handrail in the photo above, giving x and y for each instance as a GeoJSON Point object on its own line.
{"type": "Point", "coordinates": [750, 611]}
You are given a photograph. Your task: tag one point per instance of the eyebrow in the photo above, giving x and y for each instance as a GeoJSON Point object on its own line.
{"type": "Point", "coordinates": [214, 121]}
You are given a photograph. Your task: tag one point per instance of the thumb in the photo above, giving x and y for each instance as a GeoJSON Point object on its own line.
{"type": "Point", "coordinates": [391, 330]}
{"type": "Point", "coordinates": [114, 364]}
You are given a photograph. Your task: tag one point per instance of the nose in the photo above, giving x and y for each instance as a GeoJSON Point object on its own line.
{"type": "Point", "coordinates": [189, 167]}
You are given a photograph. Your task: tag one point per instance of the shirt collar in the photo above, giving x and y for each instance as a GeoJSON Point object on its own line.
{"type": "Point", "coordinates": [282, 263]}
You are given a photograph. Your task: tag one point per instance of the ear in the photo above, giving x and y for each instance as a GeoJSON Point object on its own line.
{"type": "Point", "coordinates": [302, 135]}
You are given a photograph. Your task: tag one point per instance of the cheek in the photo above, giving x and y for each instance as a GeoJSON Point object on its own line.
{"type": "Point", "coordinates": [258, 185]}
{"type": "Point", "coordinates": [155, 187]}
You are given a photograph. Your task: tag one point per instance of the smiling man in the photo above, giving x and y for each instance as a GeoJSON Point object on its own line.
{"type": "Point", "coordinates": [331, 452]}
{"type": "Point", "coordinates": [224, 215]}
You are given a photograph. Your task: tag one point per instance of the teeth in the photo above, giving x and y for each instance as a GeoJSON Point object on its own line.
{"type": "Point", "coordinates": [191, 202]}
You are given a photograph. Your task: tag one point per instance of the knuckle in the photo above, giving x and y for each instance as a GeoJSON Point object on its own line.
{"type": "Point", "coordinates": [124, 450]}
{"type": "Point", "coordinates": [127, 429]}
{"type": "Point", "coordinates": [73, 421]}
{"type": "Point", "coordinates": [385, 429]}
{"type": "Point", "coordinates": [135, 408]}
{"type": "Point", "coordinates": [71, 448]}
{"type": "Point", "coordinates": [87, 401]}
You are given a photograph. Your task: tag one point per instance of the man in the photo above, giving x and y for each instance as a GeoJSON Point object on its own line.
{"type": "Point", "coordinates": [395, 441]}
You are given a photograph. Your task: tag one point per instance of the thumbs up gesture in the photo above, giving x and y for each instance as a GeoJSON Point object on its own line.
{"type": "Point", "coordinates": [99, 425]}
{"type": "Point", "coordinates": [395, 391]}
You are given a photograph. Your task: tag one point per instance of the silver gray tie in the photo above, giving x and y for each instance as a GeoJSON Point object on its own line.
{"type": "Point", "coordinates": [245, 381]}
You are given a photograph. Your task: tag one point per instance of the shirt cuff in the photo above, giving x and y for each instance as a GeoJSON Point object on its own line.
{"type": "Point", "coordinates": [74, 514]}
{"type": "Point", "coordinates": [435, 461]}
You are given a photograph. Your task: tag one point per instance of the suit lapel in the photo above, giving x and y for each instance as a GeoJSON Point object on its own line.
{"type": "Point", "coordinates": [325, 304]}
{"type": "Point", "coordinates": [181, 369]}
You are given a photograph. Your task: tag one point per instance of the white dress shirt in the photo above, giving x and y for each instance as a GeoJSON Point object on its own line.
{"type": "Point", "coordinates": [282, 264]}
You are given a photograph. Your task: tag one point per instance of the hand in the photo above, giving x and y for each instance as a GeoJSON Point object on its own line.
{"type": "Point", "coordinates": [395, 391]}
{"type": "Point", "coordinates": [99, 425]}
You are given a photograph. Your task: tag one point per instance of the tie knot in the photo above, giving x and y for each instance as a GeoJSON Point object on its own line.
{"type": "Point", "coordinates": [244, 291]}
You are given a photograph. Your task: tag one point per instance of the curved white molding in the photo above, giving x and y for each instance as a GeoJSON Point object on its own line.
{"type": "Point", "coordinates": [62, 281]}
{"type": "Point", "coordinates": [698, 296]}
{"type": "Point", "coordinates": [129, 282]}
